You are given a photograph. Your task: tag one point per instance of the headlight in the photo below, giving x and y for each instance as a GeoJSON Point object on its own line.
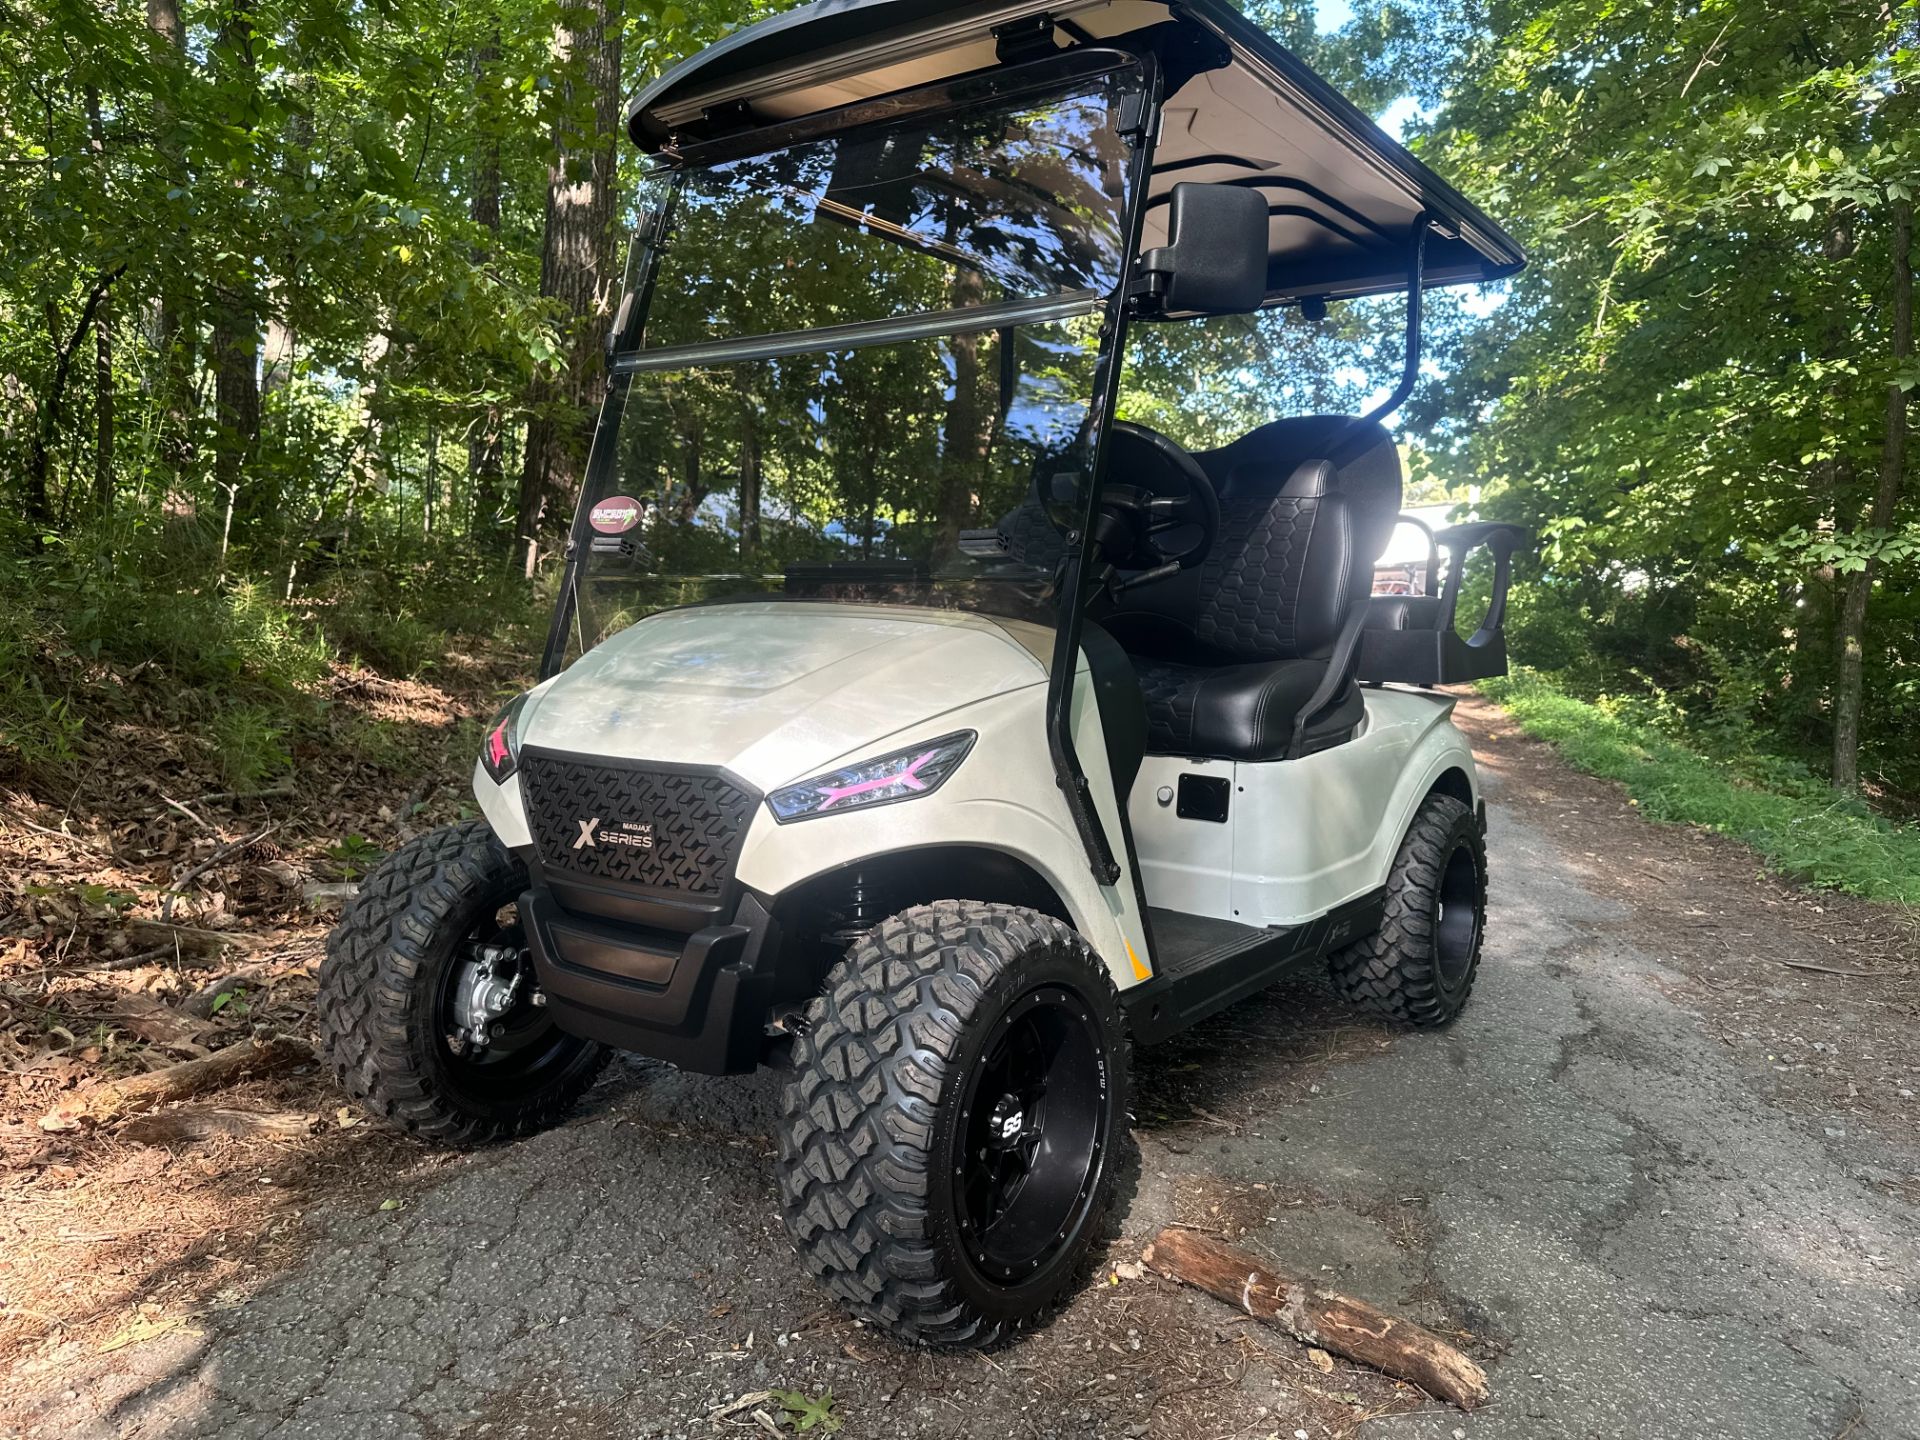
{"type": "Point", "coordinates": [903, 775]}
{"type": "Point", "coordinates": [500, 751]}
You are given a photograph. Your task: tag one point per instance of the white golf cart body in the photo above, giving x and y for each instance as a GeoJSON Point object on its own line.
{"type": "Point", "coordinates": [672, 898]}
{"type": "Point", "coordinates": [784, 691]}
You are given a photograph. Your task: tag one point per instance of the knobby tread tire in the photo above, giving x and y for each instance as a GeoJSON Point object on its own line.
{"type": "Point", "coordinates": [378, 985]}
{"type": "Point", "coordinates": [1395, 972]}
{"type": "Point", "coordinates": [860, 1118]}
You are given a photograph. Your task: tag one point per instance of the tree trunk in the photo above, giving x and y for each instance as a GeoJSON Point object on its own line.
{"type": "Point", "coordinates": [236, 326]}
{"type": "Point", "coordinates": [485, 462]}
{"type": "Point", "coordinates": [577, 272]}
{"type": "Point", "coordinates": [484, 207]}
{"type": "Point", "coordinates": [39, 508]}
{"type": "Point", "coordinates": [282, 344]}
{"type": "Point", "coordinates": [749, 483]}
{"type": "Point", "coordinates": [693, 447]}
{"type": "Point", "coordinates": [173, 330]}
{"type": "Point", "coordinates": [236, 391]}
{"type": "Point", "coordinates": [969, 423]}
{"type": "Point", "coordinates": [1850, 680]}
{"type": "Point", "coordinates": [103, 410]}
{"type": "Point", "coordinates": [102, 339]}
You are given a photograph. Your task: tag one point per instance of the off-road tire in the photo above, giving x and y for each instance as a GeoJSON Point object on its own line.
{"type": "Point", "coordinates": [379, 983]}
{"type": "Point", "coordinates": [870, 1109]}
{"type": "Point", "coordinates": [1403, 971]}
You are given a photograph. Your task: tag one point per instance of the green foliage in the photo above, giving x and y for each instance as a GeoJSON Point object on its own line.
{"type": "Point", "coordinates": [92, 896]}
{"type": "Point", "coordinates": [193, 628]}
{"type": "Point", "coordinates": [273, 325]}
{"type": "Point", "coordinates": [1782, 809]}
{"type": "Point", "coordinates": [249, 742]}
{"type": "Point", "coordinates": [355, 855]}
{"type": "Point", "coordinates": [38, 727]}
{"type": "Point", "coordinates": [806, 1412]}
{"type": "Point", "coordinates": [1686, 393]}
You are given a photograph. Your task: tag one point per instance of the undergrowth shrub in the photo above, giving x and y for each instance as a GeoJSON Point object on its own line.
{"type": "Point", "coordinates": [38, 724]}
{"type": "Point", "coordinates": [204, 637]}
{"type": "Point", "coordinates": [399, 616]}
{"type": "Point", "coordinates": [250, 745]}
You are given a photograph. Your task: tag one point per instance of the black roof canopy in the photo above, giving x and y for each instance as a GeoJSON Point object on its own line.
{"type": "Point", "coordinates": [1344, 199]}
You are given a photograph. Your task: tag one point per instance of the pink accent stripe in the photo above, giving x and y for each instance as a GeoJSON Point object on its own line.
{"type": "Point", "coordinates": [910, 777]}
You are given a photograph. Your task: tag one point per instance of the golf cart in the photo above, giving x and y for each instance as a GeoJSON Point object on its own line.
{"type": "Point", "coordinates": [909, 718]}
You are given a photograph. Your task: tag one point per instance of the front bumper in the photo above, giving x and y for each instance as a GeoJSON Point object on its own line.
{"type": "Point", "coordinates": [699, 1001]}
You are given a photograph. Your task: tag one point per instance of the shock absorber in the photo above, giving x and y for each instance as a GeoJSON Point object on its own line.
{"type": "Point", "coordinates": [858, 912]}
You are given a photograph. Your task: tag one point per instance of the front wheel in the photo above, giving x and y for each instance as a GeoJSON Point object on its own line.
{"type": "Point", "coordinates": [1418, 967]}
{"type": "Point", "coordinates": [949, 1140]}
{"type": "Point", "coordinates": [427, 1007]}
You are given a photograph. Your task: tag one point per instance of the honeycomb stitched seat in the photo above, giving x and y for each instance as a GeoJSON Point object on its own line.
{"type": "Point", "coordinates": [1229, 652]}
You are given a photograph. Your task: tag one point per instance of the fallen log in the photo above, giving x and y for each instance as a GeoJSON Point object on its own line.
{"type": "Point", "coordinates": [203, 1122]}
{"type": "Point", "coordinates": [1338, 1323]}
{"type": "Point", "coordinates": [113, 1099]}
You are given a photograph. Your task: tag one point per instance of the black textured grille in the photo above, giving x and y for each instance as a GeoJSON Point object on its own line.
{"type": "Point", "coordinates": [694, 821]}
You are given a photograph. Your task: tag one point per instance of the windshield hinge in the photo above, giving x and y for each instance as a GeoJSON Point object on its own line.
{"type": "Point", "coordinates": [1021, 40]}
{"type": "Point", "coordinates": [1131, 118]}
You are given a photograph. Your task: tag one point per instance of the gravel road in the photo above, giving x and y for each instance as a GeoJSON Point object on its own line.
{"type": "Point", "coordinates": [1604, 1179]}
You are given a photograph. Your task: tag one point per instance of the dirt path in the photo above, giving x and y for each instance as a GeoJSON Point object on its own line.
{"type": "Point", "coordinates": [1663, 1182]}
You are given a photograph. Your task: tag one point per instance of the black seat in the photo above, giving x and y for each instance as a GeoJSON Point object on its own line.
{"type": "Point", "coordinates": [1230, 652]}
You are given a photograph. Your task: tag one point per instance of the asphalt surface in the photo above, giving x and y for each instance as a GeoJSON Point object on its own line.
{"type": "Point", "coordinates": [1576, 1173]}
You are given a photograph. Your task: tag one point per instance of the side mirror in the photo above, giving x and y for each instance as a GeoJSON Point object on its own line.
{"type": "Point", "coordinates": [1215, 259]}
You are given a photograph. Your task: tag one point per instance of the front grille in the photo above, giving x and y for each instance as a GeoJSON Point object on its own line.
{"type": "Point", "coordinates": [586, 817]}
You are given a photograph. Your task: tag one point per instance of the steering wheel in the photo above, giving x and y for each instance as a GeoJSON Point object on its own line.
{"type": "Point", "coordinates": [1159, 513]}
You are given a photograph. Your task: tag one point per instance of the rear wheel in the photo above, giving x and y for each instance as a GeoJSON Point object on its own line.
{"type": "Point", "coordinates": [1419, 966]}
{"type": "Point", "coordinates": [950, 1136]}
{"type": "Point", "coordinates": [427, 1007]}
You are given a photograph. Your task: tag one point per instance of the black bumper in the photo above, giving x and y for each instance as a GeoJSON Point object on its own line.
{"type": "Point", "coordinates": [699, 1001]}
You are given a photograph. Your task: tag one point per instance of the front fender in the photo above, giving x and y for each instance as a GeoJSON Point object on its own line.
{"type": "Point", "coordinates": [1003, 798]}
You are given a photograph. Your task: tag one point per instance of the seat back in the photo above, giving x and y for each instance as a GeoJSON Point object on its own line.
{"type": "Point", "coordinates": [1306, 507]}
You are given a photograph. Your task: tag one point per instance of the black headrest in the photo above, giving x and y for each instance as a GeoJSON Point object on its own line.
{"type": "Point", "coordinates": [1365, 469]}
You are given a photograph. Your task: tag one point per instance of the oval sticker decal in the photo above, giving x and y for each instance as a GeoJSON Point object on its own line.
{"type": "Point", "coordinates": [615, 515]}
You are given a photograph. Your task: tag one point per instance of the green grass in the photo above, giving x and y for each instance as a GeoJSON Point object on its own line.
{"type": "Point", "coordinates": [1801, 827]}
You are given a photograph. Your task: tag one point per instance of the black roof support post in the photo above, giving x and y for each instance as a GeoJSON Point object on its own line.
{"type": "Point", "coordinates": [1067, 772]}
{"type": "Point", "coordinates": [1416, 303]}
{"type": "Point", "coordinates": [1357, 436]}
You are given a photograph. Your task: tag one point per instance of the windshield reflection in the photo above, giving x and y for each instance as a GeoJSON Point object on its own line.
{"type": "Point", "coordinates": [754, 476]}
{"type": "Point", "coordinates": [965, 209]}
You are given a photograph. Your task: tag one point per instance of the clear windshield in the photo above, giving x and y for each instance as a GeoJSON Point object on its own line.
{"type": "Point", "coordinates": [972, 206]}
{"type": "Point", "coordinates": [875, 464]}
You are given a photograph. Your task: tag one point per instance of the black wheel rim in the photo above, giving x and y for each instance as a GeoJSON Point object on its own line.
{"type": "Point", "coordinates": [527, 1047]}
{"type": "Point", "coordinates": [1456, 922]}
{"type": "Point", "coordinates": [1032, 1136]}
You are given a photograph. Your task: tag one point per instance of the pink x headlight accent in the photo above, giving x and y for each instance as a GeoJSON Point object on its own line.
{"type": "Point", "coordinates": [909, 777]}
